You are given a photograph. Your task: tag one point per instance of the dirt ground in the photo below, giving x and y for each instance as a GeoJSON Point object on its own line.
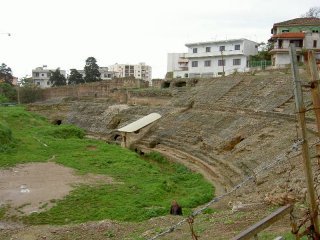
{"type": "Point", "coordinates": [29, 187]}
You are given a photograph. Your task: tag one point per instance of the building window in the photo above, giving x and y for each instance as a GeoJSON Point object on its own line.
{"type": "Point", "coordinates": [221, 62]}
{"type": "Point", "coordinates": [208, 49]}
{"type": "Point", "coordinates": [48, 83]}
{"type": "Point", "coordinates": [42, 74]}
{"type": "Point", "coordinates": [38, 83]}
{"type": "Point", "coordinates": [236, 62]}
{"type": "Point", "coordinates": [194, 63]}
{"type": "Point", "coordinates": [314, 43]}
{"type": "Point", "coordinates": [207, 63]}
{"type": "Point", "coordinates": [48, 74]}
{"type": "Point", "coordinates": [285, 30]}
{"type": "Point", "coordinates": [222, 48]}
{"type": "Point", "coordinates": [195, 50]}
{"type": "Point", "coordinates": [237, 47]}
{"type": "Point", "coordinates": [36, 74]}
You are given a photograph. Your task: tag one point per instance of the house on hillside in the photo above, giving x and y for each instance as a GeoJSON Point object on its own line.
{"type": "Point", "coordinates": [304, 33]}
{"type": "Point", "coordinates": [41, 76]}
{"type": "Point", "coordinates": [212, 59]}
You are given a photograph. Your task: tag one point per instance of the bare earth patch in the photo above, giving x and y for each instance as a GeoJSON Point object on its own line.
{"type": "Point", "coordinates": [30, 187]}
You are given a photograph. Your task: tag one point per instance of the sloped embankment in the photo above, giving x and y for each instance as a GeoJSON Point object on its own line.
{"type": "Point", "coordinates": [230, 125]}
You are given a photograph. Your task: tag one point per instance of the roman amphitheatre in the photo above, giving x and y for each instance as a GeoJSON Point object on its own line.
{"type": "Point", "coordinates": [227, 129]}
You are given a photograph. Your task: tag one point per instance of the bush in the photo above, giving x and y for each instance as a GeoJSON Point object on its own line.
{"type": "Point", "coordinates": [3, 99]}
{"type": "Point", "coordinates": [30, 94]}
{"type": "Point", "coordinates": [157, 157]}
{"type": "Point", "coordinates": [6, 138]}
{"type": "Point", "coordinates": [8, 91]}
{"type": "Point", "coordinates": [66, 131]}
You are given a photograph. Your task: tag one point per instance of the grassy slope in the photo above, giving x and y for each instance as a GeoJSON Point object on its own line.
{"type": "Point", "coordinates": [150, 184]}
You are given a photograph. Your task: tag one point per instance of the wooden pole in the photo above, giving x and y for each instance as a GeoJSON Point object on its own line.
{"type": "Point", "coordinates": [252, 231]}
{"type": "Point", "coordinates": [314, 86]}
{"type": "Point", "coordinates": [315, 90]}
{"type": "Point", "coordinates": [305, 147]}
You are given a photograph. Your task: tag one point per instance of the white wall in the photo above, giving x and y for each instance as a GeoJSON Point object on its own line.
{"type": "Point", "coordinates": [250, 48]}
{"type": "Point", "coordinates": [172, 61]}
{"type": "Point", "coordinates": [282, 59]}
{"type": "Point", "coordinates": [215, 68]}
{"type": "Point", "coordinates": [309, 38]}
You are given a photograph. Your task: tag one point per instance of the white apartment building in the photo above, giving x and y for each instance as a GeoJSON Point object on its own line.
{"type": "Point", "coordinates": [217, 58]}
{"type": "Point", "coordinates": [41, 76]}
{"type": "Point", "coordinates": [177, 63]}
{"type": "Point", "coordinates": [139, 71]}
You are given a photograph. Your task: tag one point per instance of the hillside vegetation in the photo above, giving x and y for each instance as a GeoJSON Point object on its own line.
{"type": "Point", "coordinates": [146, 185]}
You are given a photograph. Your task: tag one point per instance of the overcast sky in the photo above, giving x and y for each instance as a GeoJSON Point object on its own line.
{"type": "Point", "coordinates": [64, 33]}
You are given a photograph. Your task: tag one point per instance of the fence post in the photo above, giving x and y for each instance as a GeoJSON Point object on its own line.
{"type": "Point", "coordinates": [305, 147]}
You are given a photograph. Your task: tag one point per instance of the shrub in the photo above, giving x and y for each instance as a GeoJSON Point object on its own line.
{"type": "Point", "coordinates": [29, 94]}
{"type": "Point", "coordinates": [3, 99]}
{"type": "Point", "coordinates": [8, 91]}
{"type": "Point", "coordinates": [157, 157]}
{"type": "Point", "coordinates": [6, 138]}
{"type": "Point", "coordinates": [66, 131]}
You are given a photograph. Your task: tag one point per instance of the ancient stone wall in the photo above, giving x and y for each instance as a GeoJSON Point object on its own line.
{"type": "Point", "coordinates": [108, 88]}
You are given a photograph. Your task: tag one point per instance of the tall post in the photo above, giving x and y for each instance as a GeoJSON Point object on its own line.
{"type": "Point", "coordinates": [222, 63]}
{"type": "Point", "coordinates": [315, 86]}
{"type": "Point", "coordinates": [305, 147]}
{"type": "Point", "coordinates": [18, 93]}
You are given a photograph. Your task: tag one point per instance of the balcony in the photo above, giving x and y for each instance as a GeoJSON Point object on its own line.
{"type": "Point", "coordinates": [183, 61]}
{"type": "Point", "coordinates": [284, 49]}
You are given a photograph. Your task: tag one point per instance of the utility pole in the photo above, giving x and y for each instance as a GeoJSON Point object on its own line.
{"type": "Point", "coordinates": [222, 60]}
{"type": "Point", "coordinates": [305, 146]}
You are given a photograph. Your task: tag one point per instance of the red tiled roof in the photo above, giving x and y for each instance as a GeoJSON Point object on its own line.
{"type": "Point", "coordinates": [289, 35]}
{"type": "Point", "coordinates": [299, 21]}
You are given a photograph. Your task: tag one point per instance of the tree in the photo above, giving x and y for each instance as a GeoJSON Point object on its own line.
{"type": "Point", "coordinates": [5, 74]}
{"type": "Point", "coordinates": [75, 77]}
{"type": "Point", "coordinates": [91, 70]}
{"type": "Point", "coordinates": [263, 52]}
{"type": "Point", "coordinates": [312, 12]}
{"type": "Point", "coordinates": [7, 92]}
{"type": "Point", "coordinates": [26, 82]}
{"type": "Point", "coordinates": [57, 79]}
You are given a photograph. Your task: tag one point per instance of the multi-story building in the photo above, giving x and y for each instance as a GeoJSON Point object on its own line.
{"type": "Point", "coordinates": [41, 76]}
{"type": "Point", "coordinates": [139, 71]}
{"type": "Point", "coordinates": [177, 63]}
{"type": "Point", "coordinates": [212, 59]}
{"type": "Point", "coordinates": [216, 58]}
{"type": "Point", "coordinates": [105, 73]}
{"type": "Point", "coordinates": [304, 33]}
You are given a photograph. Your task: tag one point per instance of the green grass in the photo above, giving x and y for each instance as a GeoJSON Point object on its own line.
{"type": "Point", "coordinates": [149, 183]}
